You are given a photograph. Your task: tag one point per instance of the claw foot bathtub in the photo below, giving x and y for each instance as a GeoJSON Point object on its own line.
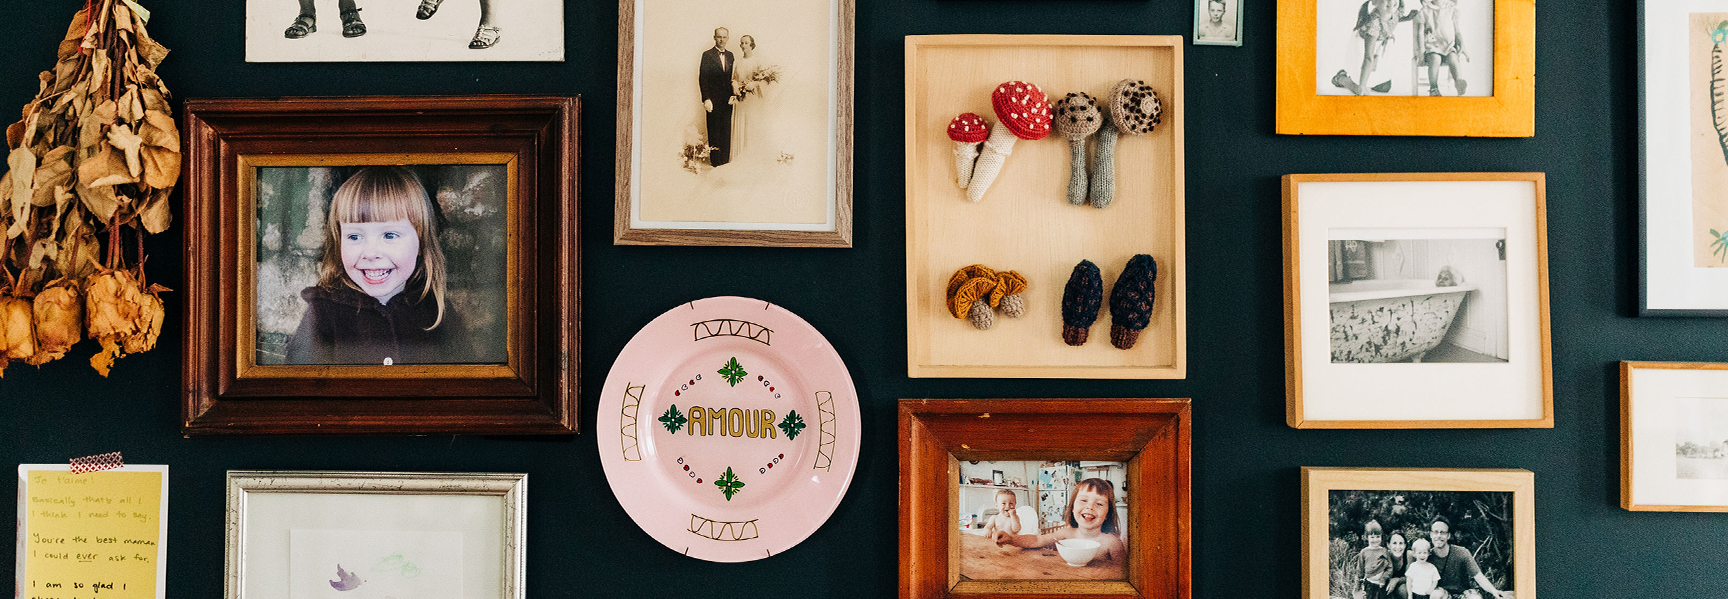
{"type": "Point", "coordinates": [1393, 320]}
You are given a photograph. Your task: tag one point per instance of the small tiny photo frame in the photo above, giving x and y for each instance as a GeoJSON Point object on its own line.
{"type": "Point", "coordinates": [401, 534]}
{"type": "Point", "coordinates": [1417, 300]}
{"type": "Point", "coordinates": [1461, 68]}
{"type": "Point", "coordinates": [1105, 514]}
{"type": "Point", "coordinates": [1218, 22]}
{"type": "Point", "coordinates": [1673, 457]}
{"type": "Point", "coordinates": [1446, 523]}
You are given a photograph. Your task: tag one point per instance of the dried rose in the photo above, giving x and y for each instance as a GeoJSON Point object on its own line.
{"type": "Point", "coordinates": [59, 320]}
{"type": "Point", "coordinates": [20, 334]}
{"type": "Point", "coordinates": [149, 322]}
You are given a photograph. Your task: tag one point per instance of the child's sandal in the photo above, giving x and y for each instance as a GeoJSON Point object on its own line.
{"type": "Point", "coordinates": [351, 25]}
{"type": "Point", "coordinates": [484, 37]}
{"type": "Point", "coordinates": [303, 25]}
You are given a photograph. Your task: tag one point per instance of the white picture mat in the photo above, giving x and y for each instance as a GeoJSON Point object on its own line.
{"type": "Point", "coordinates": [1453, 391]}
{"type": "Point", "coordinates": [714, 10]}
{"type": "Point", "coordinates": [1655, 394]}
{"type": "Point", "coordinates": [385, 563]}
{"type": "Point", "coordinates": [269, 519]}
{"type": "Point", "coordinates": [161, 519]}
{"type": "Point", "coordinates": [1671, 281]}
{"type": "Point", "coordinates": [529, 30]}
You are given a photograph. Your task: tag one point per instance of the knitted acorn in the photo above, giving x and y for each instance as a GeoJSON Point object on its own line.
{"type": "Point", "coordinates": [1077, 117]}
{"type": "Point", "coordinates": [967, 130]}
{"type": "Point", "coordinates": [1131, 301]}
{"type": "Point", "coordinates": [1022, 112]}
{"type": "Point", "coordinates": [1081, 298]}
{"type": "Point", "coordinates": [975, 291]}
{"type": "Point", "coordinates": [1134, 109]}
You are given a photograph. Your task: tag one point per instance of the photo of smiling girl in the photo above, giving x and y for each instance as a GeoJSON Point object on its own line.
{"type": "Point", "coordinates": [1091, 516]}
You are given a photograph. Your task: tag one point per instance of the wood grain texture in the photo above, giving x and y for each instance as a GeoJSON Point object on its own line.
{"type": "Point", "coordinates": [1627, 368]}
{"type": "Point", "coordinates": [1510, 112]}
{"type": "Point", "coordinates": [623, 233]}
{"type": "Point", "coordinates": [1293, 411]}
{"type": "Point", "coordinates": [1025, 223]}
{"type": "Point", "coordinates": [1152, 435]}
{"type": "Point", "coordinates": [534, 392]}
{"type": "Point", "coordinates": [1318, 482]}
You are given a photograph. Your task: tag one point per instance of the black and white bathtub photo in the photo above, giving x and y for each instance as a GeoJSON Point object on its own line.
{"type": "Point", "coordinates": [1397, 299]}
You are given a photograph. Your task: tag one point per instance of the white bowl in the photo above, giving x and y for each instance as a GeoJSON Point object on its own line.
{"type": "Point", "coordinates": [1077, 552]}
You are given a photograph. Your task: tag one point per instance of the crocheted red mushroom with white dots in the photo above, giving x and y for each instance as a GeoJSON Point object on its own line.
{"type": "Point", "coordinates": [1023, 108]}
{"type": "Point", "coordinates": [967, 130]}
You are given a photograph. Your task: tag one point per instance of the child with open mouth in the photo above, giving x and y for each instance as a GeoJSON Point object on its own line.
{"type": "Point", "coordinates": [1091, 515]}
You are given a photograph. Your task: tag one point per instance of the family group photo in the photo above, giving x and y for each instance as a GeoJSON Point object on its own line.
{"type": "Point", "coordinates": [404, 30]}
{"type": "Point", "coordinates": [1404, 47]}
{"type": "Point", "coordinates": [1394, 298]}
{"type": "Point", "coordinates": [1043, 520]}
{"type": "Point", "coordinates": [1420, 544]}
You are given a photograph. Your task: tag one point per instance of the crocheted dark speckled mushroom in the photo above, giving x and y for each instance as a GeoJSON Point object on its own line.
{"type": "Point", "coordinates": [1134, 109]}
{"type": "Point", "coordinates": [1077, 117]}
{"type": "Point", "coordinates": [1081, 298]}
{"type": "Point", "coordinates": [1131, 301]}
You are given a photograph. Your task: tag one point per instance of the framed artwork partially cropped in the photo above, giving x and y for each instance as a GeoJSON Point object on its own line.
{"type": "Point", "coordinates": [1462, 68]}
{"type": "Point", "coordinates": [998, 496]}
{"type": "Point", "coordinates": [734, 123]}
{"type": "Point", "coordinates": [1673, 457]}
{"type": "Point", "coordinates": [1217, 22]}
{"type": "Point", "coordinates": [1417, 300]}
{"type": "Point", "coordinates": [381, 265]}
{"type": "Point", "coordinates": [376, 534]}
{"type": "Point", "coordinates": [1683, 118]}
{"type": "Point", "coordinates": [423, 31]}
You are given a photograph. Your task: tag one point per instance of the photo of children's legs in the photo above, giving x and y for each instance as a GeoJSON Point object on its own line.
{"type": "Point", "coordinates": [1442, 42]}
{"type": "Point", "coordinates": [1376, 23]}
{"type": "Point", "coordinates": [485, 35]}
{"type": "Point", "coordinates": [1398, 47]}
{"type": "Point", "coordinates": [307, 21]}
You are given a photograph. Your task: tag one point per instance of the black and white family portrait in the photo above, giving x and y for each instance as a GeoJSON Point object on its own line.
{"type": "Point", "coordinates": [1397, 299]}
{"type": "Point", "coordinates": [381, 265]}
{"type": "Point", "coordinates": [1420, 544]}
{"type": "Point", "coordinates": [404, 30]}
{"type": "Point", "coordinates": [1218, 22]}
{"type": "Point", "coordinates": [1043, 520]}
{"type": "Point", "coordinates": [1405, 47]}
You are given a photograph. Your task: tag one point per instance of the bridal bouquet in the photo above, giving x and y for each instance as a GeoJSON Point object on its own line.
{"type": "Point", "coordinates": [759, 78]}
{"type": "Point", "coordinates": [695, 155]}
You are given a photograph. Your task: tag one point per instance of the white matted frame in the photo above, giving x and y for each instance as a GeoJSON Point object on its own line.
{"type": "Point", "coordinates": [1318, 483]}
{"type": "Point", "coordinates": [1326, 391]}
{"type": "Point", "coordinates": [1669, 459]}
{"type": "Point", "coordinates": [1678, 142]}
{"type": "Point", "coordinates": [802, 195]}
{"type": "Point", "coordinates": [487, 510]}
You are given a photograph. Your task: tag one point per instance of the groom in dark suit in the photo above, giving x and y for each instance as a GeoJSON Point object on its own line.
{"type": "Point", "coordinates": [715, 81]}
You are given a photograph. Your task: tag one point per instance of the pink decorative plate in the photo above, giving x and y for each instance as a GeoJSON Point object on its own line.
{"type": "Point", "coordinates": [729, 429]}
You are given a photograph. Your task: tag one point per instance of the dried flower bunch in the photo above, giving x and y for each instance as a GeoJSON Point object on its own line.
{"type": "Point", "coordinates": [95, 153]}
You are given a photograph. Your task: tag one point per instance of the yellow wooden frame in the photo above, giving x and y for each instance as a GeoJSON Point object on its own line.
{"type": "Point", "coordinates": [1317, 482]}
{"type": "Point", "coordinates": [1293, 412]}
{"type": "Point", "coordinates": [1510, 112]}
{"type": "Point", "coordinates": [1626, 368]}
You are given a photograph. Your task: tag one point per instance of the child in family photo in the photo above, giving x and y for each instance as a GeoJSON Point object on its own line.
{"type": "Point", "coordinates": [1091, 515]}
{"type": "Point", "coordinates": [1005, 519]}
{"type": "Point", "coordinates": [1422, 576]}
{"type": "Point", "coordinates": [1374, 564]}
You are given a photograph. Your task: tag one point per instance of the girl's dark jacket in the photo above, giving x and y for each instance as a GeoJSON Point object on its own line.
{"type": "Point", "coordinates": [345, 326]}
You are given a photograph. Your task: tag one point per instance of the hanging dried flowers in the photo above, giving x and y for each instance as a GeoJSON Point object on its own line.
{"type": "Point", "coordinates": [96, 154]}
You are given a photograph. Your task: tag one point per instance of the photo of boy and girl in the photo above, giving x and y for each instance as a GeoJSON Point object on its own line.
{"type": "Point", "coordinates": [1074, 530]}
{"type": "Point", "coordinates": [1420, 545]}
{"type": "Point", "coordinates": [403, 30]}
{"type": "Point", "coordinates": [1441, 63]}
{"type": "Point", "coordinates": [370, 266]}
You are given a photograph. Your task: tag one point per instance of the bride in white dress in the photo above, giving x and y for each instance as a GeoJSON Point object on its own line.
{"type": "Point", "coordinates": [748, 117]}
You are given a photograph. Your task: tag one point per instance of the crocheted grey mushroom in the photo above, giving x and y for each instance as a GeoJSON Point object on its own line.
{"type": "Point", "coordinates": [1077, 117]}
{"type": "Point", "coordinates": [1134, 109]}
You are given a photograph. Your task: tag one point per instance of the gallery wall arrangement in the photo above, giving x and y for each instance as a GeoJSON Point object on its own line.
{"type": "Point", "coordinates": [929, 298]}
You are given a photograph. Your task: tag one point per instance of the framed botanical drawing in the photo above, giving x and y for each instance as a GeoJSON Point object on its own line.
{"type": "Point", "coordinates": [1416, 532]}
{"type": "Point", "coordinates": [1217, 22]}
{"type": "Point", "coordinates": [1672, 453]}
{"type": "Point", "coordinates": [1042, 512]}
{"type": "Point", "coordinates": [376, 534]}
{"type": "Point", "coordinates": [734, 123]}
{"type": "Point", "coordinates": [381, 265]}
{"type": "Point", "coordinates": [1422, 67]}
{"type": "Point", "coordinates": [423, 31]}
{"type": "Point", "coordinates": [1683, 221]}
{"type": "Point", "coordinates": [1417, 300]}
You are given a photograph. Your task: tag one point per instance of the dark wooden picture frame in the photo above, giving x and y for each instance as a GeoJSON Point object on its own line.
{"type": "Point", "coordinates": [1152, 435]}
{"type": "Point", "coordinates": [534, 391]}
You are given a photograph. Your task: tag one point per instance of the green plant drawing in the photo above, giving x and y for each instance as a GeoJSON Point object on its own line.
{"type": "Point", "coordinates": [732, 372]}
{"type": "Point", "coordinates": [792, 424]}
{"type": "Point", "coordinates": [729, 483]}
{"type": "Point", "coordinates": [672, 419]}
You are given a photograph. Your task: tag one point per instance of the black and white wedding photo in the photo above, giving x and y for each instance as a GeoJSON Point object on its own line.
{"type": "Point", "coordinates": [1398, 299]}
{"type": "Point", "coordinates": [1404, 47]}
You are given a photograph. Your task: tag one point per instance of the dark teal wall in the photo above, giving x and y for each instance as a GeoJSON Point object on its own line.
{"type": "Point", "coordinates": [1246, 524]}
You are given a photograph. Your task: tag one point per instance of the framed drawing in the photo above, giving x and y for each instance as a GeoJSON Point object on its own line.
{"type": "Point", "coordinates": [1412, 532]}
{"type": "Point", "coordinates": [431, 30]}
{"type": "Point", "coordinates": [734, 123]}
{"type": "Point", "coordinates": [1106, 514]}
{"type": "Point", "coordinates": [1423, 67]}
{"type": "Point", "coordinates": [1029, 223]}
{"type": "Point", "coordinates": [1672, 454]}
{"type": "Point", "coordinates": [401, 534]}
{"type": "Point", "coordinates": [1217, 22]}
{"type": "Point", "coordinates": [1683, 225]}
{"type": "Point", "coordinates": [1432, 292]}
{"type": "Point", "coordinates": [381, 265]}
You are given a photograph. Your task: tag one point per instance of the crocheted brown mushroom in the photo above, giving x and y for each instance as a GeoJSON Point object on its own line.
{"type": "Point", "coordinates": [1077, 117]}
{"type": "Point", "coordinates": [1134, 109]}
{"type": "Point", "coordinates": [967, 130]}
{"type": "Point", "coordinates": [974, 292]}
{"type": "Point", "coordinates": [1022, 112]}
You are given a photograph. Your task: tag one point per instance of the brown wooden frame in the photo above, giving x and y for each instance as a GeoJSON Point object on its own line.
{"type": "Point", "coordinates": [1294, 413]}
{"type": "Point", "coordinates": [841, 237]}
{"type": "Point", "coordinates": [533, 392]}
{"type": "Point", "coordinates": [1152, 435]}
{"type": "Point", "coordinates": [1626, 368]}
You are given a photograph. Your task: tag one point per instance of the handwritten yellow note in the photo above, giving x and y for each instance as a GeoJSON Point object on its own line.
{"type": "Point", "coordinates": [96, 535]}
